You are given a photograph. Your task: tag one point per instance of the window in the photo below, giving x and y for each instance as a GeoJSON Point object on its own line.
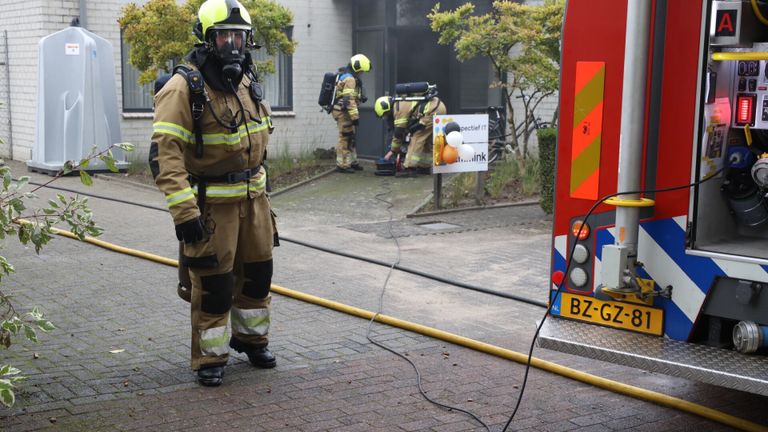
{"type": "Point", "coordinates": [278, 86]}
{"type": "Point", "coordinates": [136, 98]}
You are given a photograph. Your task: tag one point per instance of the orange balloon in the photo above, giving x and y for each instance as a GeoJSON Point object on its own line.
{"type": "Point", "coordinates": [450, 154]}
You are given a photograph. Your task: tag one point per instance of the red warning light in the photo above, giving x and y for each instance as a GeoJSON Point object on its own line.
{"type": "Point", "coordinates": [557, 277]}
{"type": "Point", "coordinates": [744, 110]}
{"type": "Point", "coordinates": [580, 230]}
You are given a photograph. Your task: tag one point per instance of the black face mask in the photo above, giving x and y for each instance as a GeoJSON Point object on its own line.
{"type": "Point", "coordinates": [232, 72]}
{"type": "Point", "coordinates": [229, 47]}
{"type": "Point", "coordinates": [216, 74]}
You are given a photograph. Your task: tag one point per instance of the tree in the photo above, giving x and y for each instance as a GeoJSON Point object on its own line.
{"type": "Point", "coordinates": [523, 44]}
{"type": "Point", "coordinates": [36, 226]}
{"type": "Point", "coordinates": [160, 33]}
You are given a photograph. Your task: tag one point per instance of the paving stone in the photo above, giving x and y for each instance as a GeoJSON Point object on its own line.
{"type": "Point", "coordinates": [329, 376]}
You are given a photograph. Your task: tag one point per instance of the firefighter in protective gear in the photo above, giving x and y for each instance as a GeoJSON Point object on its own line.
{"type": "Point", "coordinates": [207, 160]}
{"type": "Point", "coordinates": [415, 118]}
{"type": "Point", "coordinates": [349, 94]}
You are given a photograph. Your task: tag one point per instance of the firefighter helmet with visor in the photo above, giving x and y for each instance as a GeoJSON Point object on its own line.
{"type": "Point", "coordinates": [225, 26]}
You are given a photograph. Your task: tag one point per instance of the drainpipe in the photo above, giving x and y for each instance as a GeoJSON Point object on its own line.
{"type": "Point", "coordinates": [8, 92]}
{"type": "Point", "coordinates": [83, 19]}
{"type": "Point", "coordinates": [623, 255]}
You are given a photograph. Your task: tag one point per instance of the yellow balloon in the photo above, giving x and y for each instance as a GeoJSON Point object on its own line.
{"type": "Point", "coordinates": [437, 151]}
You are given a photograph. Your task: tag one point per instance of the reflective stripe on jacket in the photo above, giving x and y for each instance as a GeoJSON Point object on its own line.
{"type": "Point", "coordinates": [225, 150]}
{"type": "Point", "coordinates": [348, 90]}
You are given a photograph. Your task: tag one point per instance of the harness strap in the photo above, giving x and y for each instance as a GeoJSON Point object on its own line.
{"type": "Point", "coordinates": [197, 101]}
{"type": "Point", "coordinates": [229, 178]}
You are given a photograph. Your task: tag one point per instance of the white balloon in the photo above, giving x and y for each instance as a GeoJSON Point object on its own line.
{"type": "Point", "coordinates": [466, 152]}
{"type": "Point", "coordinates": [454, 139]}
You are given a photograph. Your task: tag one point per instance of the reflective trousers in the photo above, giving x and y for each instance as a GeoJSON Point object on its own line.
{"type": "Point", "coordinates": [231, 273]}
{"type": "Point", "coordinates": [419, 153]}
{"type": "Point", "coordinates": [346, 153]}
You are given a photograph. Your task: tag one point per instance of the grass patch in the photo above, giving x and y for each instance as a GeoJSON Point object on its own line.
{"type": "Point", "coordinates": [460, 188]}
{"type": "Point", "coordinates": [136, 167]}
{"type": "Point", "coordinates": [506, 181]}
{"type": "Point", "coordinates": [286, 169]}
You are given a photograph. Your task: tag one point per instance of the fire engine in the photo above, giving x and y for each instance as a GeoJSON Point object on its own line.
{"type": "Point", "coordinates": [666, 104]}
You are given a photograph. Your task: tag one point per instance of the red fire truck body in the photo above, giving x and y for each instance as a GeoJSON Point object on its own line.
{"type": "Point", "coordinates": [694, 283]}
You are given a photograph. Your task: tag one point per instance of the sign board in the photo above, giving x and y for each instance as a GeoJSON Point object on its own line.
{"type": "Point", "coordinates": [72, 49]}
{"type": "Point", "coordinates": [474, 129]}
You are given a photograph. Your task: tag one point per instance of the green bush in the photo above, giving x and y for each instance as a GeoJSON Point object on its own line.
{"type": "Point", "coordinates": [547, 148]}
{"type": "Point", "coordinates": [499, 175]}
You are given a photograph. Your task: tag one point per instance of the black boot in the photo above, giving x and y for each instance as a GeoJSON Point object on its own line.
{"type": "Point", "coordinates": [344, 170]}
{"type": "Point", "coordinates": [406, 173]}
{"type": "Point", "coordinates": [211, 375]}
{"type": "Point", "coordinates": [259, 357]}
{"type": "Point", "coordinates": [357, 167]}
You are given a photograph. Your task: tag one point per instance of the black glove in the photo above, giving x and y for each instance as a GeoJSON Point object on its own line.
{"type": "Point", "coordinates": [363, 99]}
{"type": "Point", "coordinates": [355, 122]}
{"type": "Point", "coordinates": [191, 231]}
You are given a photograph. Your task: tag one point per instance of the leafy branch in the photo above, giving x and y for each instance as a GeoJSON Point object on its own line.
{"type": "Point", "coordinates": [36, 226]}
{"type": "Point", "coordinates": [160, 33]}
{"type": "Point", "coordinates": [522, 43]}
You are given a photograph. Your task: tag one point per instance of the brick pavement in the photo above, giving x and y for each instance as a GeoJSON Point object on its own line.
{"type": "Point", "coordinates": [329, 378]}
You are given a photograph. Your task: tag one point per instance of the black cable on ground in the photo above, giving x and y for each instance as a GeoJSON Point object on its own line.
{"type": "Point", "coordinates": [336, 252]}
{"type": "Point", "coordinates": [568, 265]}
{"type": "Point", "coordinates": [379, 197]}
{"type": "Point", "coordinates": [420, 273]}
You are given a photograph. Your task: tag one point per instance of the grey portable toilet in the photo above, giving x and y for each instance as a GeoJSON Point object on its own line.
{"type": "Point", "coordinates": [76, 101]}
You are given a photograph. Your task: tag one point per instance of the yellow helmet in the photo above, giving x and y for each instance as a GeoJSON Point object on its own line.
{"type": "Point", "coordinates": [383, 105]}
{"type": "Point", "coordinates": [221, 14]}
{"type": "Point", "coordinates": [360, 63]}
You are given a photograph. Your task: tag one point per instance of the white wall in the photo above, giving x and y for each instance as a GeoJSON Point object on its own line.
{"type": "Point", "coordinates": [26, 22]}
{"type": "Point", "coordinates": [322, 28]}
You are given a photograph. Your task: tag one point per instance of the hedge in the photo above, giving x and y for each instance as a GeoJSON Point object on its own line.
{"type": "Point", "coordinates": [547, 146]}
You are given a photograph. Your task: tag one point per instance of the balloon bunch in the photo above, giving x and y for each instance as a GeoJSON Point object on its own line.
{"type": "Point", "coordinates": [455, 148]}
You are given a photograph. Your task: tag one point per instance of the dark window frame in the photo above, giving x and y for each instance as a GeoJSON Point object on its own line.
{"type": "Point", "coordinates": [288, 73]}
{"type": "Point", "coordinates": [124, 48]}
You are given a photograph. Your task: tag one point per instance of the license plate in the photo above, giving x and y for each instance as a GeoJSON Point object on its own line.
{"type": "Point", "coordinates": [622, 315]}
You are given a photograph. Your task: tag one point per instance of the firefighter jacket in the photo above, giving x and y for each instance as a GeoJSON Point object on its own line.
{"type": "Point", "coordinates": [230, 168]}
{"type": "Point", "coordinates": [408, 114]}
{"type": "Point", "coordinates": [348, 93]}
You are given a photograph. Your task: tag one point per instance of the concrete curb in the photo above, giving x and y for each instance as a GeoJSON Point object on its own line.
{"type": "Point", "coordinates": [124, 180]}
{"type": "Point", "coordinates": [421, 205]}
{"type": "Point", "coordinates": [154, 188]}
{"type": "Point", "coordinates": [456, 210]}
{"type": "Point", "coordinates": [302, 183]}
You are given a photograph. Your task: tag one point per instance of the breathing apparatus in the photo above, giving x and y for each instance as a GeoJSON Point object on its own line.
{"type": "Point", "coordinates": [224, 29]}
{"type": "Point", "coordinates": [415, 91]}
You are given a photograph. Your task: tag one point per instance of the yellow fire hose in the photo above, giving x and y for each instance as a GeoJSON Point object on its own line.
{"type": "Point", "coordinates": [614, 386]}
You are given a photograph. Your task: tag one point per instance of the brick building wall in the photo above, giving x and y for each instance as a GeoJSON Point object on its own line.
{"type": "Point", "coordinates": [322, 28]}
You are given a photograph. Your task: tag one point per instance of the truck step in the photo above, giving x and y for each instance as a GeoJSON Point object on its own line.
{"type": "Point", "coordinates": [657, 354]}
